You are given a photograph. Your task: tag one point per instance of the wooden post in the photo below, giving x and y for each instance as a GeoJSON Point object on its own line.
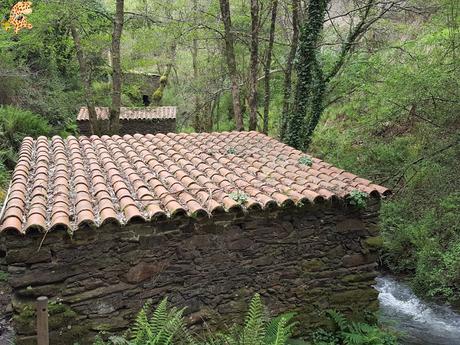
{"type": "Point", "coordinates": [42, 321]}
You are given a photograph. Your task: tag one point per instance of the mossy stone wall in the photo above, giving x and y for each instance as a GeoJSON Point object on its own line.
{"type": "Point", "coordinates": [136, 126]}
{"type": "Point", "coordinates": [303, 259]}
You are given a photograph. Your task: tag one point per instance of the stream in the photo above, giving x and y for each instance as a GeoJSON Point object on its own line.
{"type": "Point", "coordinates": [418, 322]}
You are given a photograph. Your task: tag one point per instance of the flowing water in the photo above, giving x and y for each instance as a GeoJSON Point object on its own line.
{"type": "Point", "coordinates": [419, 322]}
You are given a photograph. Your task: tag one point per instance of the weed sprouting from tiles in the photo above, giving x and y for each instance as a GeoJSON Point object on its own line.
{"type": "Point", "coordinates": [231, 151]}
{"type": "Point", "coordinates": [305, 160]}
{"type": "Point", "coordinates": [358, 198]}
{"type": "Point", "coordinates": [239, 196]}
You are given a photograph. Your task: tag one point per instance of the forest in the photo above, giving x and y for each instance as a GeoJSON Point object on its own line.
{"type": "Point", "coordinates": [371, 86]}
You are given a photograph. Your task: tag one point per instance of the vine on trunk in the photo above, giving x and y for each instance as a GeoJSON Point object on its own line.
{"type": "Point", "coordinates": [310, 87]}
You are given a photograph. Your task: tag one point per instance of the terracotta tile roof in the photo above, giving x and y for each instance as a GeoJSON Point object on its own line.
{"type": "Point", "coordinates": [91, 181]}
{"type": "Point", "coordinates": [131, 113]}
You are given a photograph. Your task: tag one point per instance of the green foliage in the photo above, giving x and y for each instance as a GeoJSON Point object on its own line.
{"type": "Point", "coordinates": [399, 127]}
{"type": "Point", "coordinates": [358, 198]}
{"type": "Point", "coordinates": [231, 151]}
{"type": "Point", "coordinates": [305, 160]}
{"type": "Point", "coordinates": [257, 329]}
{"type": "Point", "coordinates": [15, 124]}
{"type": "Point", "coordinates": [239, 196]}
{"type": "Point", "coordinates": [352, 333]}
{"type": "Point", "coordinates": [158, 95]}
{"type": "Point", "coordinates": [310, 86]}
{"type": "Point", "coordinates": [163, 80]}
{"type": "Point", "coordinates": [164, 327]}
{"type": "Point", "coordinates": [3, 276]}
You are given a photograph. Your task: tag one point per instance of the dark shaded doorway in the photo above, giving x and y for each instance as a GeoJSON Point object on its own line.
{"type": "Point", "coordinates": [146, 100]}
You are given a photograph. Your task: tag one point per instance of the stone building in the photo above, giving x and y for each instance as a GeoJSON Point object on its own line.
{"type": "Point", "coordinates": [149, 120]}
{"type": "Point", "coordinates": [145, 82]}
{"type": "Point", "coordinates": [102, 224]}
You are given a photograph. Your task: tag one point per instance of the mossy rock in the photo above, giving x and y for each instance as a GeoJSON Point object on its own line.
{"type": "Point", "coordinates": [24, 319]}
{"type": "Point", "coordinates": [358, 277]}
{"type": "Point", "coordinates": [158, 95]}
{"type": "Point", "coordinates": [60, 315]}
{"type": "Point", "coordinates": [351, 297]}
{"type": "Point", "coordinates": [163, 80]}
{"type": "Point", "coordinates": [313, 265]}
{"type": "Point", "coordinates": [74, 334]}
{"type": "Point", "coordinates": [375, 242]}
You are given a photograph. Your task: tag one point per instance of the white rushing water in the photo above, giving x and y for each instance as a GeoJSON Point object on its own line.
{"type": "Point", "coordinates": [419, 323]}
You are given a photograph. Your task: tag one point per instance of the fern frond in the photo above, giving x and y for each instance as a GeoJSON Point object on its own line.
{"type": "Point", "coordinates": [339, 319]}
{"type": "Point", "coordinates": [273, 329]}
{"type": "Point", "coordinates": [159, 317]}
{"type": "Point", "coordinates": [141, 329]}
{"type": "Point", "coordinates": [171, 327]}
{"type": "Point", "coordinates": [254, 328]}
{"type": "Point", "coordinates": [98, 341]}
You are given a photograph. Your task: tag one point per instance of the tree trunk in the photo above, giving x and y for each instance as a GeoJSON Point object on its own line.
{"type": "Point", "coordinates": [254, 64]}
{"type": "Point", "coordinates": [288, 72]}
{"type": "Point", "coordinates": [307, 97]}
{"type": "Point", "coordinates": [114, 116]}
{"type": "Point", "coordinates": [268, 63]}
{"type": "Point", "coordinates": [86, 80]}
{"type": "Point", "coordinates": [197, 122]}
{"type": "Point", "coordinates": [231, 62]}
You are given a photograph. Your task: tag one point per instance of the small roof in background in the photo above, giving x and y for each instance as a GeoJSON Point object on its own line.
{"type": "Point", "coordinates": [150, 113]}
{"type": "Point", "coordinates": [68, 183]}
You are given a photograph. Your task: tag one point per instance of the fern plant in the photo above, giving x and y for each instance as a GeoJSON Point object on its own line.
{"type": "Point", "coordinates": [352, 333]}
{"type": "Point", "coordinates": [257, 329]}
{"type": "Point", "coordinates": [165, 326]}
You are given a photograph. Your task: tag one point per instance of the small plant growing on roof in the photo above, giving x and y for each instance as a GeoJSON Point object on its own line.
{"type": "Point", "coordinates": [358, 198]}
{"type": "Point", "coordinates": [239, 196]}
{"type": "Point", "coordinates": [231, 151]}
{"type": "Point", "coordinates": [305, 160]}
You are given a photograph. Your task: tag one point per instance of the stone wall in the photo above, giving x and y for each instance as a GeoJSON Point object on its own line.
{"type": "Point", "coordinates": [304, 259]}
{"type": "Point", "coordinates": [136, 126]}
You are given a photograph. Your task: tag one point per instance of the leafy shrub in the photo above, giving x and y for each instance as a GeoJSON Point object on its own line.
{"type": "Point", "coordinates": [15, 124]}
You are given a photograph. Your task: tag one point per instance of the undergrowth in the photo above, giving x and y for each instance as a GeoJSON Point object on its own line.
{"type": "Point", "coordinates": [166, 326]}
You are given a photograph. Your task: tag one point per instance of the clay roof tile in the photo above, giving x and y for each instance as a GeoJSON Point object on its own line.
{"type": "Point", "coordinates": [75, 182]}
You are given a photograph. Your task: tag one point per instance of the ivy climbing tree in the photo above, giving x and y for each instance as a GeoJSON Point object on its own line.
{"type": "Point", "coordinates": [299, 122]}
{"type": "Point", "coordinates": [310, 85]}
